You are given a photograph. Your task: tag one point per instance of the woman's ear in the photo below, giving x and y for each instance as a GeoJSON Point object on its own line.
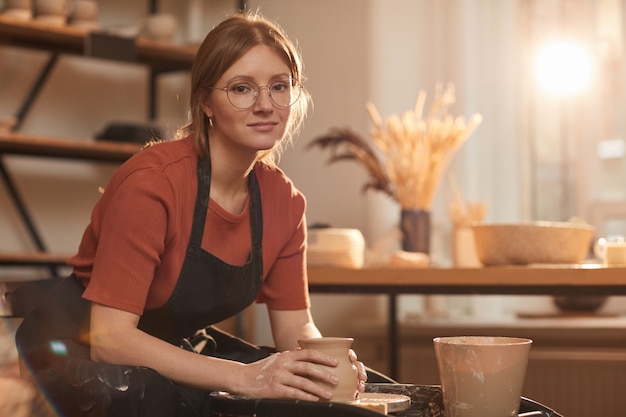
{"type": "Point", "coordinates": [203, 98]}
{"type": "Point", "coordinates": [207, 111]}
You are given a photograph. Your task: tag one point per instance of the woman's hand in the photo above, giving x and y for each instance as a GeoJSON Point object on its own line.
{"type": "Point", "coordinates": [361, 370]}
{"type": "Point", "coordinates": [293, 374]}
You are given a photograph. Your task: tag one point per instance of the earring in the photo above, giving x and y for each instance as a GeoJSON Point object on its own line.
{"type": "Point", "coordinates": [210, 122]}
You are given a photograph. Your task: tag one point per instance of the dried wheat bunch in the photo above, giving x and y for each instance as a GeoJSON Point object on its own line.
{"type": "Point", "coordinates": [411, 150]}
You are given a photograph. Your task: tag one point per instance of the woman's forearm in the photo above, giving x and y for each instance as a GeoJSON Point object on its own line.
{"type": "Point", "coordinates": [290, 326]}
{"type": "Point", "coordinates": [137, 348]}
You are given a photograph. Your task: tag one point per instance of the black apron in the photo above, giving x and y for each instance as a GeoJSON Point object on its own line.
{"type": "Point", "coordinates": [53, 339]}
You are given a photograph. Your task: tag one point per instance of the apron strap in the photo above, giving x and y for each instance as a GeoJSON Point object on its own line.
{"type": "Point", "coordinates": [256, 217]}
{"type": "Point", "coordinates": [202, 200]}
{"type": "Point", "coordinates": [202, 204]}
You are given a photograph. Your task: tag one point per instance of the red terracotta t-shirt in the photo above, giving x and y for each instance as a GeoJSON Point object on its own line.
{"type": "Point", "coordinates": [132, 252]}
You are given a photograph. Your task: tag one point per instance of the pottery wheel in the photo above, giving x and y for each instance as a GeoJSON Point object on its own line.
{"type": "Point", "coordinates": [395, 402]}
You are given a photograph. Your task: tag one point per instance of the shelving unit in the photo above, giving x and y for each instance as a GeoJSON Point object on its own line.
{"type": "Point", "coordinates": [158, 57]}
{"type": "Point", "coordinates": [27, 145]}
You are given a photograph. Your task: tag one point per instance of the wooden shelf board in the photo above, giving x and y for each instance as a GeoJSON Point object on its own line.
{"type": "Point", "coordinates": [162, 56]}
{"type": "Point", "coordinates": [107, 151]}
{"type": "Point", "coordinates": [32, 259]}
{"type": "Point", "coordinates": [35, 34]}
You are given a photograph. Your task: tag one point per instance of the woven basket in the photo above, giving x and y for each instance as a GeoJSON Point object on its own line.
{"type": "Point", "coordinates": [533, 242]}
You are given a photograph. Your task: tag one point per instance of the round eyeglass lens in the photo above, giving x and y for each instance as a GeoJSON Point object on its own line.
{"type": "Point", "coordinates": [243, 94]}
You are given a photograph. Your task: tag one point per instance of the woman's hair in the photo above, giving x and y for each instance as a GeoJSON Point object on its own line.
{"type": "Point", "coordinates": [224, 45]}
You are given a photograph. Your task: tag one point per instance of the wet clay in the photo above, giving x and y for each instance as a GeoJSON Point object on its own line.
{"type": "Point", "coordinates": [346, 371]}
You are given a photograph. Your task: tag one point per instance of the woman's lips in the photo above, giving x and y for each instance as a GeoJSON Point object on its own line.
{"type": "Point", "coordinates": [263, 126]}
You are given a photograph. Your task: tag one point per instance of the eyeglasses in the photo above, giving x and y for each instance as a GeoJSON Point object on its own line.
{"type": "Point", "coordinates": [243, 94]}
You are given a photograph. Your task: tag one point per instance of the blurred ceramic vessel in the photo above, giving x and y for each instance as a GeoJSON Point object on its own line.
{"type": "Point", "coordinates": [52, 7]}
{"type": "Point", "coordinates": [51, 19]}
{"type": "Point", "coordinates": [160, 27]}
{"type": "Point", "coordinates": [19, 14]}
{"type": "Point", "coordinates": [84, 10]}
{"type": "Point", "coordinates": [18, 4]}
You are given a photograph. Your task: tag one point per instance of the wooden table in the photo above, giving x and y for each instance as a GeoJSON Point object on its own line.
{"type": "Point", "coordinates": [579, 279]}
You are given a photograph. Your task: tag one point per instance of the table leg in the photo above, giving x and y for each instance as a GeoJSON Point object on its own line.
{"type": "Point", "coordinates": [392, 329]}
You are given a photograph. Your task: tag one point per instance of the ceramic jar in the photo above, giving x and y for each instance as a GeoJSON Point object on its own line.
{"type": "Point", "coordinates": [52, 7]}
{"type": "Point", "coordinates": [19, 4]}
{"type": "Point", "coordinates": [160, 27]}
{"type": "Point", "coordinates": [85, 14]}
{"type": "Point", "coordinates": [339, 347]}
{"type": "Point", "coordinates": [85, 10]}
{"type": "Point", "coordinates": [18, 9]}
{"type": "Point", "coordinates": [52, 12]}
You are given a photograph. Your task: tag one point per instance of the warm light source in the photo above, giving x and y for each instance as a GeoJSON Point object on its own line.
{"type": "Point", "coordinates": [563, 68]}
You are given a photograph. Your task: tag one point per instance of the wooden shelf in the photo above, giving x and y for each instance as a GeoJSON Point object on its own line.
{"type": "Point", "coordinates": [34, 34]}
{"type": "Point", "coordinates": [32, 259]}
{"type": "Point", "coordinates": [162, 56]}
{"type": "Point", "coordinates": [104, 151]}
{"type": "Point", "coordinates": [159, 56]}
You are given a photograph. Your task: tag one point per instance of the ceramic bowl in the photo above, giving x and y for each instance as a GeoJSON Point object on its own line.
{"type": "Point", "coordinates": [18, 14]}
{"type": "Point", "coordinates": [84, 10]}
{"type": "Point", "coordinates": [586, 303]}
{"type": "Point", "coordinates": [51, 19]}
{"type": "Point", "coordinates": [19, 4]}
{"type": "Point", "coordinates": [160, 27]}
{"type": "Point", "coordinates": [52, 7]}
{"type": "Point", "coordinates": [532, 242]}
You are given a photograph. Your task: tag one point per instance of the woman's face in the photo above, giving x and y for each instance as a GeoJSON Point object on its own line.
{"type": "Point", "coordinates": [261, 126]}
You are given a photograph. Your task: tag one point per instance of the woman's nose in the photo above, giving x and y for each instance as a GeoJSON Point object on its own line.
{"type": "Point", "coordinates": [263, 100]}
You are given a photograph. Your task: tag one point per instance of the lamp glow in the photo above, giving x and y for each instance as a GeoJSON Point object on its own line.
{"type": "Point", "coordinates": [563, 68]}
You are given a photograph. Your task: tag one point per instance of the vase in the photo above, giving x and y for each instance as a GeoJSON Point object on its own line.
{"type": "Point", "coordinates": [464, 253]}
{"type": "Point", "coordinates": [415, 228]}
{"type": "Point", "coordinates": [339, 347]}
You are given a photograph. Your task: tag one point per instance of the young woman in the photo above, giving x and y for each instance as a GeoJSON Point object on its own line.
{"type": "Point", "coordinates": [188, 233]}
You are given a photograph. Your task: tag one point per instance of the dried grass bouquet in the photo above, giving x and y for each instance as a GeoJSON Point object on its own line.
{"type": "Point", "coordinates": [410, 151]}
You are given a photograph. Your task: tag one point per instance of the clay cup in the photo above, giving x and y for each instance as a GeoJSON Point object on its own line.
{"type": "Point", "coordinates": [339, 347]}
